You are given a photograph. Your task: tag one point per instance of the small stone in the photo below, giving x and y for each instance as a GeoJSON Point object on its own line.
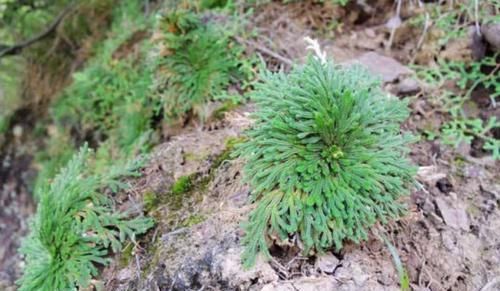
{"type": "Point", "coordinates": [315, 284]}
{"type": "Point", "coordinates": [491, 33]}
{"type": "Point", "coordinates": [370, 32]}
{"type": "Point", "coordinates": [454, 216]}
{"type": "Point", "coordinates": [124, 274]}
{"type": "Point", "coordinates": [448, 241]}
{"type": "Point", "coordinates": [327, 263]}
{"type": "Point", "coordinates": [477, 44]}
{"type": "Point", "coordinates": [17, 131]}
{"type": "Point", "coordinates": [358, 276]}
{"type": "Point", "coordinates": [387, 68]}
{"type": "Point", "coordinates": [387, 274]}
{"type": "Point", "coordinates": [430, 174]}
{"type": "Point", "coordinates": [408, 86]}
{"type": "Point", "coordinates": [231, 269]}
{"type": "Point", "coordinates": [394, 22]}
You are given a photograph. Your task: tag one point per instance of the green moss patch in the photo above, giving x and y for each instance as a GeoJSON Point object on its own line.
{"type": "Point", "coordinates": [192, 220]}
{"type": "Point", "coordinates": [151, 201]}
{"type": "Point", "coordinates": [182, 185]}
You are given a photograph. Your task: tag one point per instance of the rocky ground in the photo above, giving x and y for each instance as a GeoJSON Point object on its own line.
{"type": "Point", "coordinates": [16, 206]}
{"type": "Point", "coordinates": [449, 239]}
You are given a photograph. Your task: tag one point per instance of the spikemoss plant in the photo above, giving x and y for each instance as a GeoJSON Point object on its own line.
{"type": "Point", "coordinates": [75, 225]}
{"type": "Point", "coordinates": [200, 64]}
{"type": "Point", "coordinates": [109, 99]}
{"type": "Point", "coordinates": [325, 158]}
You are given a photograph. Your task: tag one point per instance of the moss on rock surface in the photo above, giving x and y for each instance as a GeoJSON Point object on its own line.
{"type": "Point", "coordinates": [182, 185]}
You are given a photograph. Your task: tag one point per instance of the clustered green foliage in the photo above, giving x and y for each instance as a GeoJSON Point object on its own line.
{"type": "Point", "coordinates": [451, 19]}
{"type": "Point", "coordinates": [468, 77]}
{"type": "Point", "coordinates": [325, 158]}
{"type": "Point", "coordinates": [108, 101]}
{"type": "Point", "coordinates": [76, 224]}
{"type": "Point", "coordinates": [110, 98]}
{"type": "Point", "coordinates": [22, 20]}
{"type": "Point", "coordinates": [10, 92]}
{"type": "Point", "coordinates": [25, 18]}
{"type": "Point", "coordinates": [182, 185]}
{"type": "Point", "coordinates": [201, 64]}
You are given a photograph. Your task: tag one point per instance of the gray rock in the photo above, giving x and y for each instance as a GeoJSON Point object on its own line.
{"type": "Point", "coordinates": [387, 68]}
{"type": "Point", "coordinates": [453, 214]}
{"type": "Point", "coordinates": [327, 263]}
{"type": "Point", "coordinates": [408, 86]}
{"type": "Point", "coordinates": [491, 33]}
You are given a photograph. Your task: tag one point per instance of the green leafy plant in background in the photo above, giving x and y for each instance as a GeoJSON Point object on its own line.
{"type": "Point", "coordinates": [18, 20]}
{"type": "Point", "coordinates": [468, 77]}
{"type": "Point", "coordinates": [108, 102]}
{"type": "Point", "coordinates": [9, 88]}
{"type": "Point", "coordinates": [25, 18]}
{"type": "Point", "coordinates": [458, 130]}
{"type": "Point", "coordinates": [451, 20]}
{"type": "Point", "coordinates": [76, 224]}
{"type": "Point", "coordinates": [201, 63]}
{"type": "Point", "coordinates": [325, 158]}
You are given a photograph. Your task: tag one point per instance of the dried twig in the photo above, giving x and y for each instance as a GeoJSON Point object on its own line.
{"type": "Point", "coordinates": [422, 37]}
{"type": "Point", "coordinates": [393, 24]}
{"type": "Point", "coordinates": [476, 16]}
{"type": "Point", "coordinates": [17, 48]}
{"type": "Point", "coordinates": [265, 50]}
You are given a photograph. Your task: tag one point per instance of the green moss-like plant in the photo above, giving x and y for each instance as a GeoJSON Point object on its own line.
{"type": "Point", "coordinates": [182, 185]}
{"type": "Point", "coordinates": [192, 220]}
{"type": "Point", "coordinates": [151, 201]}
{"type": "Point", "coordinates": [201, 63]}
{"type": "Point", "coordinates": [110, 98]}
{"type": "Point", "coordinates": [325, 157]}
{"type": "Point", "coordinates": [75, 225]}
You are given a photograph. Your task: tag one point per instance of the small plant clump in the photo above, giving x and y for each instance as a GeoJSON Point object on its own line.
{"type": "Point", "coordinates": [108, 99]}
{"type": "Point", "coordinates": [75, 225]}
{"type": "Point", "coordinates": [462, 128]}
{"type": "Point", "coordinates": [325, 158]}
{"type": "Point", "coordinates": [182, 185]}
{"type": "Point", "coordinates": [199, 66]}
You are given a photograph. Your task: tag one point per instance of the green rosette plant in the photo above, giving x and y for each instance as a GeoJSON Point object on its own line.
{"type": "Point", "coordinates": [325, 158]}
